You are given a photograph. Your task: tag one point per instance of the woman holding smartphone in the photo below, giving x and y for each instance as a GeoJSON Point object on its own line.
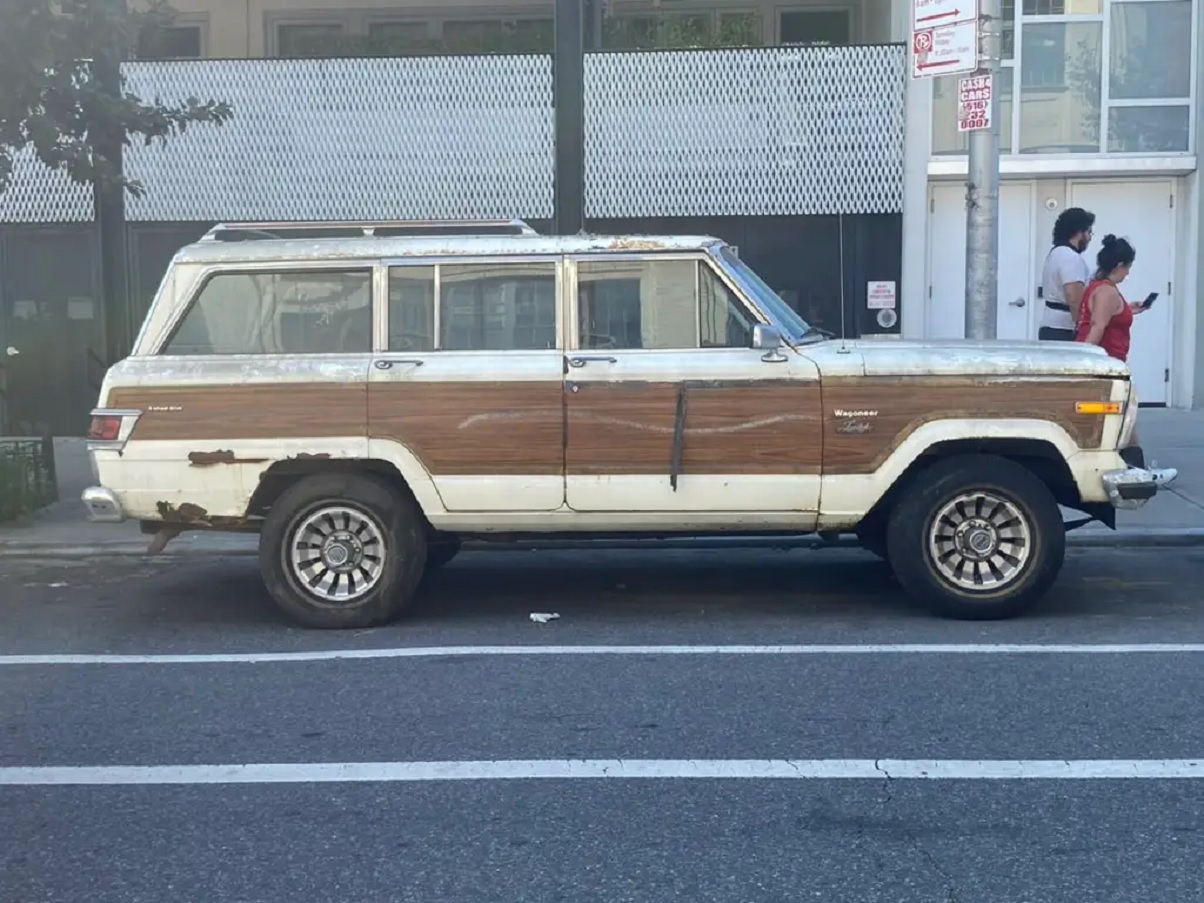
{"type": "Point", "coordinates": [1106, 319]}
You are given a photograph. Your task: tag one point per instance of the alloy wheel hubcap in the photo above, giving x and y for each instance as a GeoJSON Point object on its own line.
{"type": "Point", "coordinates": [980, 541]}
{"type": "Point", "coordinates": [337, 554]}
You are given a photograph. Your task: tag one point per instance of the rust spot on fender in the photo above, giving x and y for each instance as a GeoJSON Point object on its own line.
{"type": "Point", "coordinates": [209, 459]}
{"type": "Point", "coordinates": [306, 456]}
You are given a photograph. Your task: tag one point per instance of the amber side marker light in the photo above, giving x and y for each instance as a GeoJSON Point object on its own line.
{"type": "Point", "coordinates": [1097, 407]}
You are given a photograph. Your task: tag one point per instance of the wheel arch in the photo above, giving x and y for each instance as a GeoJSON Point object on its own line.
{"type": "Point", "coordinates": [384, 459]}
{"type": "Point", "coordinates": [1042, 446]}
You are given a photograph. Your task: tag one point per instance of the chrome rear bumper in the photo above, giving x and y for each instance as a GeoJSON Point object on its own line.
{"type": "Point", "coordinates": [103, 506]}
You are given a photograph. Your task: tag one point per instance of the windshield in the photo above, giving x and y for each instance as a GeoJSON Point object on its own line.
{"type": "Point", "coordinates": [793, 327]}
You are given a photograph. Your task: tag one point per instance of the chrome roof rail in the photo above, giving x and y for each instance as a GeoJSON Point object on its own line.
{"type": "Point", "coordinates": [268, 231]}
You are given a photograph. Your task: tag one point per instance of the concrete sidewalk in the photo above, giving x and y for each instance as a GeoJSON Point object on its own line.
{"type": "Point", "coordinates": [1175, 517]}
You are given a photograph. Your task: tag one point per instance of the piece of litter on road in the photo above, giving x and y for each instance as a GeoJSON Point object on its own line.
{"type": "Point", "coordinates": [57, 585]}
{"type": "Point", "coordinates": [542, 617]}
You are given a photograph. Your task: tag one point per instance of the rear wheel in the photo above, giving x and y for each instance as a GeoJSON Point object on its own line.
{"type": "Point", "coordinates": [342, 551]}
{"type": "Point", "coordinates": [976, 537]}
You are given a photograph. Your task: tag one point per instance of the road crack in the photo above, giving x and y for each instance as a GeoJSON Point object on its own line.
{"type": "Point", "coordinates": [888, 795]}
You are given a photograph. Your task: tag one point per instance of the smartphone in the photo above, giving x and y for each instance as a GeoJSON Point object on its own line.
{"type": "Point", "coordinates": [1149, 299]}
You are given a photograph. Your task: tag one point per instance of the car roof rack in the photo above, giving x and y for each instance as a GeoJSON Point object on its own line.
{"type": "Point", "coordinates": [274, 231]}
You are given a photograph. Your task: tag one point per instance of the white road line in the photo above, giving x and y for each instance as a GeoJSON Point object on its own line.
{"type": "Point", "coordinates": [621, 769]}
{"type": "Point", "coordinates": [321, 655]}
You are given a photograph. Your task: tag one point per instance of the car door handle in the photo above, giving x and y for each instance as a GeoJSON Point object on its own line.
{"type": "Point", "coordinates": [580, 360]}
{"type": "Point", "coordinates": [387, 364]}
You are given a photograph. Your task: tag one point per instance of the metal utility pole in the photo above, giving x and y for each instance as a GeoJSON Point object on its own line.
{"type": "Point", "coordinates": [982, 191]}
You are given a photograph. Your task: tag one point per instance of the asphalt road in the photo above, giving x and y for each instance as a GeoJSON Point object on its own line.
{"type": "Point", "coordinates": [668, 837]}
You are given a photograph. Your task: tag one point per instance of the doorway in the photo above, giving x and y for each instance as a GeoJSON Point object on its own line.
{"type": "Point", "coordinates": [1143, 212]}
{"type": "Point", "coordinates": [947, 262]}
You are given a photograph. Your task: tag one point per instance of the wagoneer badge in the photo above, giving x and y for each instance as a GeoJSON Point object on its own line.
{"type": "Point", "coordinates": [853, 422]}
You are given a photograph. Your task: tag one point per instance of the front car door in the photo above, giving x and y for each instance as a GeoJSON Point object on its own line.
{"type": "Point", "coordinates": [668, 408]}
{"type": "Point", "coordinates": [469, 379]}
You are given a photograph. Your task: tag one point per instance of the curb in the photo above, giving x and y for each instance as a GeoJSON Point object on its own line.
{"type": "Point", "coordinates": [1170, 538]}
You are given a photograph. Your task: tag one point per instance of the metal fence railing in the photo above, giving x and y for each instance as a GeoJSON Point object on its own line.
{"type": "Point", "coordinates": [28, 480]}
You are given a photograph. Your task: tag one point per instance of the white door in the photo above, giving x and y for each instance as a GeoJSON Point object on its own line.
{"type": "Point", "coordinates": [1142, 212]}
{"type": "Point", "coordinates": [947, 262]}
{"type": "Point", "coordinates": [468, 379]}
{"type": "Point", "coordinates": [668, 408]}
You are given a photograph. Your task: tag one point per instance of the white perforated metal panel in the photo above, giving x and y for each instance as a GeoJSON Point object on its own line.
{"type": "Point", "coordinates": [40, 195]}
{"type": "Point", "coordinates": [696, 133]}
{"type": "Point", "coordinates": [816, 130]}
{"type": "Point", "coordinates": [352, 139]}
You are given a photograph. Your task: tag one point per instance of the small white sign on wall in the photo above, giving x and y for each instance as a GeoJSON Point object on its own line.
{"type": "Point", "coordinates": [881, 296]}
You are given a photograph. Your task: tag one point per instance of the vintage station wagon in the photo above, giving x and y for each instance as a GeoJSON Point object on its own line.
{"type": "Point", "coordinates": [367, 396]}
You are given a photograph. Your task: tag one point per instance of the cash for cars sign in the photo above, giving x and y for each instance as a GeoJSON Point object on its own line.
{"type": "Point", "coordinates": [974, 103]}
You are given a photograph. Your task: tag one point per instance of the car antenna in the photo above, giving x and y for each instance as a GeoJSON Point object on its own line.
{"type": "Point", "coordinates": [843, 349]}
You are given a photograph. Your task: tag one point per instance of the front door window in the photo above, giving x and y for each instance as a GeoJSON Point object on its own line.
{"type": "Point", "coordinates": [669, 304]}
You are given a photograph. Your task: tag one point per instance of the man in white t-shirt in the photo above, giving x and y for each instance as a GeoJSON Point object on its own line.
{"type": "Point", "coordinates": [1065, 275]}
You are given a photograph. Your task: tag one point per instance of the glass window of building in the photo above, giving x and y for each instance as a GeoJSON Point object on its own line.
{"type": "Point", "coordinates": [1087, 77]}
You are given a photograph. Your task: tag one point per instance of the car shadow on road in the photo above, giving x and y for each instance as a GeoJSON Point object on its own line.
{"type": "Point", "coordinates": [762, 588]}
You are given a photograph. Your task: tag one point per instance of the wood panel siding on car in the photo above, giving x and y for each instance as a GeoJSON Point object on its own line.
{"type": "Point", "coordinates": [474, 428]}
{"type": "Point", "coordinates": [903, 405]}
{"type": "Point", "coordinates": [247, 411]}
{"type": "Point", "coordinates": [620, 428]}
{"type": "Point", "coordinates": [625, 428]}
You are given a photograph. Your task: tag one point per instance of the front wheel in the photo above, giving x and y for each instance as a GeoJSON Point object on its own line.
{"type": "Point", "coordinates": [342, 551]}
{"type": "Point", "coordinates": [976, 537]}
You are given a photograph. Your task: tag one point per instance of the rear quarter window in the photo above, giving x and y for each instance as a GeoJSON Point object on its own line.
{"type": "Point", "coordinates": [285, 312]}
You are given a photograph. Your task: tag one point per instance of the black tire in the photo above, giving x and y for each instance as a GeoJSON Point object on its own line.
{"type": "Point", "coordinates": [440, 552]}
{"type": "Point", "coordinates": [393, 516]}
{"type": "Point", "coordinates": [873, 539]}
{"type": "Point", "coordinates": [1021, 502]}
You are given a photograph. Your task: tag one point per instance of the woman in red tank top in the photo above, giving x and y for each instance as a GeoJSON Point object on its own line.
{"type": "Point", "coordinates": [1105, 318]}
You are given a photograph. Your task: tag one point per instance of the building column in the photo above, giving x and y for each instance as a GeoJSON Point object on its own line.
{"type": "Point", "coordinates": [568, 93]}
{"type": "Point", "coordinates": [917, 148]}
{"type": "Point", "coordinates": [108, 201]}
{"type": "Point", "coordinates": [1188, 390]}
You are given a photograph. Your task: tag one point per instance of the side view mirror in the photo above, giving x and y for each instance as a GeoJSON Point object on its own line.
{"type": "Point", "coordinates": [768, 339]}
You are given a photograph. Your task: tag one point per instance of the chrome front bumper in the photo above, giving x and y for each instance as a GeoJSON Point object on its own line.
{"type": "Point", "coordinates": [103, 506]}
{"type": "Point", "coordinates": [1129, 488]}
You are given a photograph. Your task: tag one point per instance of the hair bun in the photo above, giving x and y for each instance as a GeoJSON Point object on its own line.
{"type": "Point", "coordinates": [1109, 239]}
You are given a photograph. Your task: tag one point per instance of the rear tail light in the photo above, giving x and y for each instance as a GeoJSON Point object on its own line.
{"type": "Point", "coordinates": [105, 428]}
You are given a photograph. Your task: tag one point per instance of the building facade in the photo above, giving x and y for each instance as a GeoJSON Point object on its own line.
{"type": "Point", "coordinates": [250, 29]}
{"type": "Point", "coordinates": [1099, 105]}
{"type": "Point", "coordinates": [788, 127]}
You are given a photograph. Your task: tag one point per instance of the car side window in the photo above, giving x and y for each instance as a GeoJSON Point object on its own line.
{"type": "Point", "coordinates": [658, 304]}
{"type": "Point", "coordinates": [507, 306]}
{"type": "Point", "coordinates": [411, 309]}
{"type": "Point", "coordinates": [724, 322]}
{"type": "Point", "coordinates": [286, 312]}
